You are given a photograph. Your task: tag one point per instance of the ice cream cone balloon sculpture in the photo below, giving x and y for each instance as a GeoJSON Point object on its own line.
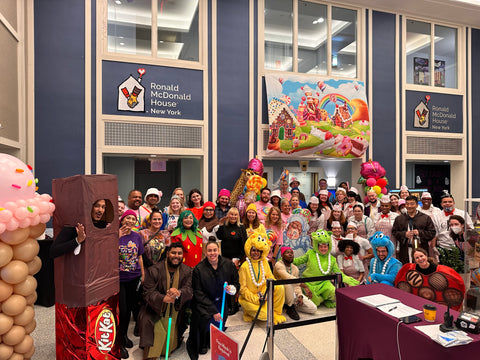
{"type": "Point", "coordinates": [23, 214]}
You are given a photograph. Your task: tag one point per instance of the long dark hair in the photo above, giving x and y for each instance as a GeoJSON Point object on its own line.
{"type": "Point", "coordinates": [190, 202]}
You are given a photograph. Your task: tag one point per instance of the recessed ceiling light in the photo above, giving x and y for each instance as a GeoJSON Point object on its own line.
{"type": "Point", "coordinates": [118, 2]}
{"type": "Point", "coordinates": [122, 43]}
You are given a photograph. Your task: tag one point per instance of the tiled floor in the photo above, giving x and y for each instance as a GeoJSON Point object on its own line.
{"type": "Point", "coordinates": [294, 343]}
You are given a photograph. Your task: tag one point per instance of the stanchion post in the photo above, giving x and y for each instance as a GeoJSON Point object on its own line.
{"type": "Point", "coordinates": [270, 322]}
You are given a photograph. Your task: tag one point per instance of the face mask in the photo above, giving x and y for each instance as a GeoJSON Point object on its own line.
{"type": "Point", "coordinates": [456, 229]}
{"type": "Point", "coordinates": [448, 209]}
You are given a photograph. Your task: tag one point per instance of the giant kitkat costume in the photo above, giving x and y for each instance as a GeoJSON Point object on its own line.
{"type": "Point", "coordinates": [87, 284]}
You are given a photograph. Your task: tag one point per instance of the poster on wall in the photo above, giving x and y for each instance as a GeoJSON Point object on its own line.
{"type": "Point", "coordinates": [421, 69]}
{"type": "Point", "coordinates": [311, 116]}
{"type": "Point", "coordinates": [440, 73]}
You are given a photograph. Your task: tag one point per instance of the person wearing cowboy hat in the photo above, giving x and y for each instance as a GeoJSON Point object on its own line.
{"type": "Point", "coordinates": [152, 198]}
{"type": "Point", "coordinates": [348, 260]}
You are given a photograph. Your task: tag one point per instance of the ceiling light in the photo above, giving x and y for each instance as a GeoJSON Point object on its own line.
{"type": "Point", "coordinates": [118, 2]}
{"type": "Point", "coordinates": [122, 44]}
{"type": "Point", "coordinates": [318, 21]}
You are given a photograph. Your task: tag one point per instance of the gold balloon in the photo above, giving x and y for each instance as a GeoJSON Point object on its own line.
{"type": "Point", "coordinates": [30, 353]}
{"type": "Point", "coordinates": [14, 305]}
{"type": "Point", "coordinates": [31, 326]}
{"type": "Point", "coordinates": [26, 287]}
{"type": "Point", "coordinates": [16, 356]}
{"type": "Point", "coordinates": [6, 253]}
{"type": "Point", "coordinates": [14, 336]}
{"type": "Point", "coordinates": [34, 266]}
{"type": "Point", "coordinates": [26, 251]}
{"type": "Point", "coordinates": [16, 236]}
{"type": "Point", "coordinates": [37, 230]}
{"type": "Point", "coordinates": [14, 272]}
{"type": "Point", "coordinates": [6, 323]}
{"type": "Point", "coordinates": [25, 317]}
{"type": "Point", "coordinates": [25, 345]}
{"type": "Point", "coordinates": [31, 298]}
{"type": "Point", "coordinates": [5, 351]}
{"type": "Point", "coordinates": [5, 290]}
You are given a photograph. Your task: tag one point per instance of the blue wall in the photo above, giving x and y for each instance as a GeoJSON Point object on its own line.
{"type": "Point", "coordinates": [475, 81]}
{"type": "Point", "coordinates": [233, 95]}
{"type": "Point", "coordinates": [59, 90]}
{"type": "Point", "coordinates": [383, 92]}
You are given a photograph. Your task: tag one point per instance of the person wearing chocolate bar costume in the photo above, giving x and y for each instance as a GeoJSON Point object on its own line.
{"type": "Point", "coordinates": [70, 238]}
{"type": "Point", "coordinates": [208, 280]}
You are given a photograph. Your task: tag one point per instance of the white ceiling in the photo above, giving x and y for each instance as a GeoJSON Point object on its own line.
{"type": "Point", "coordinates": [451, 11]}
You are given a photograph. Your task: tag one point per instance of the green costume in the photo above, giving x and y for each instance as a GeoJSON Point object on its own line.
{"type": "Point", "coordinates": [322, 265]}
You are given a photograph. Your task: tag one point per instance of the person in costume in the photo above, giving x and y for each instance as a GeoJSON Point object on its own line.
{"type": "Point", "coordinates": [152, 198]}
{"type": "Point", "coordinates": [172, 212]}
{"type": "Point", "coordinates": [294, 298]}
{"type": "Point", "coordinates": [70, 238]}
{"type": "Point", "coordinates": [253, 275]}
{"type": "Point", "coordinates": [131, 274]}
{"type": "Point", "coordinates": [317, 220]}
{"type": "Point", "coordinates": [208, 224]}
{"type": "Point", "coordinates": [154, 239]}
{"type": "Point", "coordinates": [365, 225]}
{"type": "Point", "coordinates": [273, 224]}
{"type": "Point", "coordinates": [208, 280]}
{"type": "Point", "coordinates": [195, 203]}
{"type": "Point", "coordinates": [348, 260]}
{"type": "Point", "coordinates": [431, 281]}
{"type": "Point", "coordinates": [319, 263]}
{"type": "Point", "coordinates": [252, 222]}
{"type": "Point", "coordinates": [383, 267]}
{"type": "Point", "coordinates": [166, 290]}
{"type": "Point", "coordinates": [189, 235]}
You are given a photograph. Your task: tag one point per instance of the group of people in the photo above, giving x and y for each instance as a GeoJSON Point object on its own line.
{"type": "Point", "coordinates": [181, 261]}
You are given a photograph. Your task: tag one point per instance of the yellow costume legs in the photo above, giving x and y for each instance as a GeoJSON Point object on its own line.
{"type": "Point", "coordinates": [250, 309]}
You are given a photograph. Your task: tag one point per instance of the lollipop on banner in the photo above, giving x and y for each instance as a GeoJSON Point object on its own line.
{"type": "Point", "coordinates": [141, 72]}
{"type": "Point", "coordinates": [23, 214]}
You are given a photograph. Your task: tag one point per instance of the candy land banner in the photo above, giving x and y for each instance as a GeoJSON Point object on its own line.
{"type": "Point", "coordinates": [316, 116]}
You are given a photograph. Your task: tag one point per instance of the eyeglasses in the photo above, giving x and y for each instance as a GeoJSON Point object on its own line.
{"type": "Point", "coordinates": [208, 209]}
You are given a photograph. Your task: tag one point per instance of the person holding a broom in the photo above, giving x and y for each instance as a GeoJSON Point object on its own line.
{"type": "Point", "coordinates": [167, 289]}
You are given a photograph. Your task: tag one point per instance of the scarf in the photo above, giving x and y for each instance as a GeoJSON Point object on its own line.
{"type": "Point", "coordinates": [209, 224]}
{"type": "Point", "coordinates": [161, 326]}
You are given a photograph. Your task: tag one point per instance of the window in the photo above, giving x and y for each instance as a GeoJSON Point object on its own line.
{"type": "Point", "coordinates": [424, 40]}
{"type": "Point", "coordinates": [324, 41]}
{"type": "Point", "coordinates": [130, 26]}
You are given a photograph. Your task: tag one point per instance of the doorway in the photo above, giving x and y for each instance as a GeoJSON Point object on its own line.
{"type": "Point", "coordinates": [435, 178]}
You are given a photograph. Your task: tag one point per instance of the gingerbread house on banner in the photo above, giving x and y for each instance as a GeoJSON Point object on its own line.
{"type": "Point", "coordinates": [282, 120]}
{"type": "Point", "coordinates": [342, 117]}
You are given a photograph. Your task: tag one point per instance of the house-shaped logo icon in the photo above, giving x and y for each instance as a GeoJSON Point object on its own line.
{"type": "Point", "coordinates": [131, 94]}
{"type": "Point", "coordinates": [421, 116]}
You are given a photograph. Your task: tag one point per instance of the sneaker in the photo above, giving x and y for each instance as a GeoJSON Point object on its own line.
{"type": "Point", "coordinates": [124, 352]}
{"type": "Point", "coordinates": [292, 312]}
{"type": "Point", "coordinates": [203, 351]}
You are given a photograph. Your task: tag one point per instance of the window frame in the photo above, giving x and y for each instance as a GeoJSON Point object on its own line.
{"type": "Point", "coordinates": [153, 59]}
{"type": "Point", "coordinates": [460, 59]}
{"type": "Point", "coordinates": [360, 40]}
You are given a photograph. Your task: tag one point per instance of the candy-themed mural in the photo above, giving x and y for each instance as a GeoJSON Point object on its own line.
{"type": "Point", "coordinates": [316, 116]}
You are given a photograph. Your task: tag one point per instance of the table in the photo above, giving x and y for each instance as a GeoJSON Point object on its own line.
{"type": "Point", "coordinates": [366, 332]}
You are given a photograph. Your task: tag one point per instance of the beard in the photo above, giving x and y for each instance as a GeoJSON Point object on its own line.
{"type": "Point", "coordinates": [172, 265]}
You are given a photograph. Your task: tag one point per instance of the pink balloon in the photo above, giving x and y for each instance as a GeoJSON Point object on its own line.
{"type": "Point", "coordinates": [34, 211]}
{"type": "Point", "coordinates": [10, 205]}
{"type": "Point", "coordinates": [21, 202]}
{"type": "Point", "coordinates": [371, 182]}
{"type": "Point", "coordinates": [35, 220]}
{"type": "Point", "coordinates": [44, 218]}
{"type": "Point", "coordinates": [24, 223]}
{"type": "Point", "coordinates": [43, 206]}
{"type": "Point", "coordinates": [2, 228]}
{"type": "Point", "coordinates": [45, 197]}
{"type": "Point", "coordinates": [5, 216]}
{"type": "Point", "coordinates": [21, 213]}
{"type": "Point", "coordinates": [12, 225]}
{"type": "Point", "coordinates": [365, 200]}
{"type": "Point", "coordinates": [51, 208]}
{"type": "Point", "coordinates": [384, 191]}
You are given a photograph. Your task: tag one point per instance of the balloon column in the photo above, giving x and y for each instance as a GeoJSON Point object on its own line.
{"type": "Point", "coordinates": [23, 214]}
{"type": "Point", "coordinates": [373, 177]}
